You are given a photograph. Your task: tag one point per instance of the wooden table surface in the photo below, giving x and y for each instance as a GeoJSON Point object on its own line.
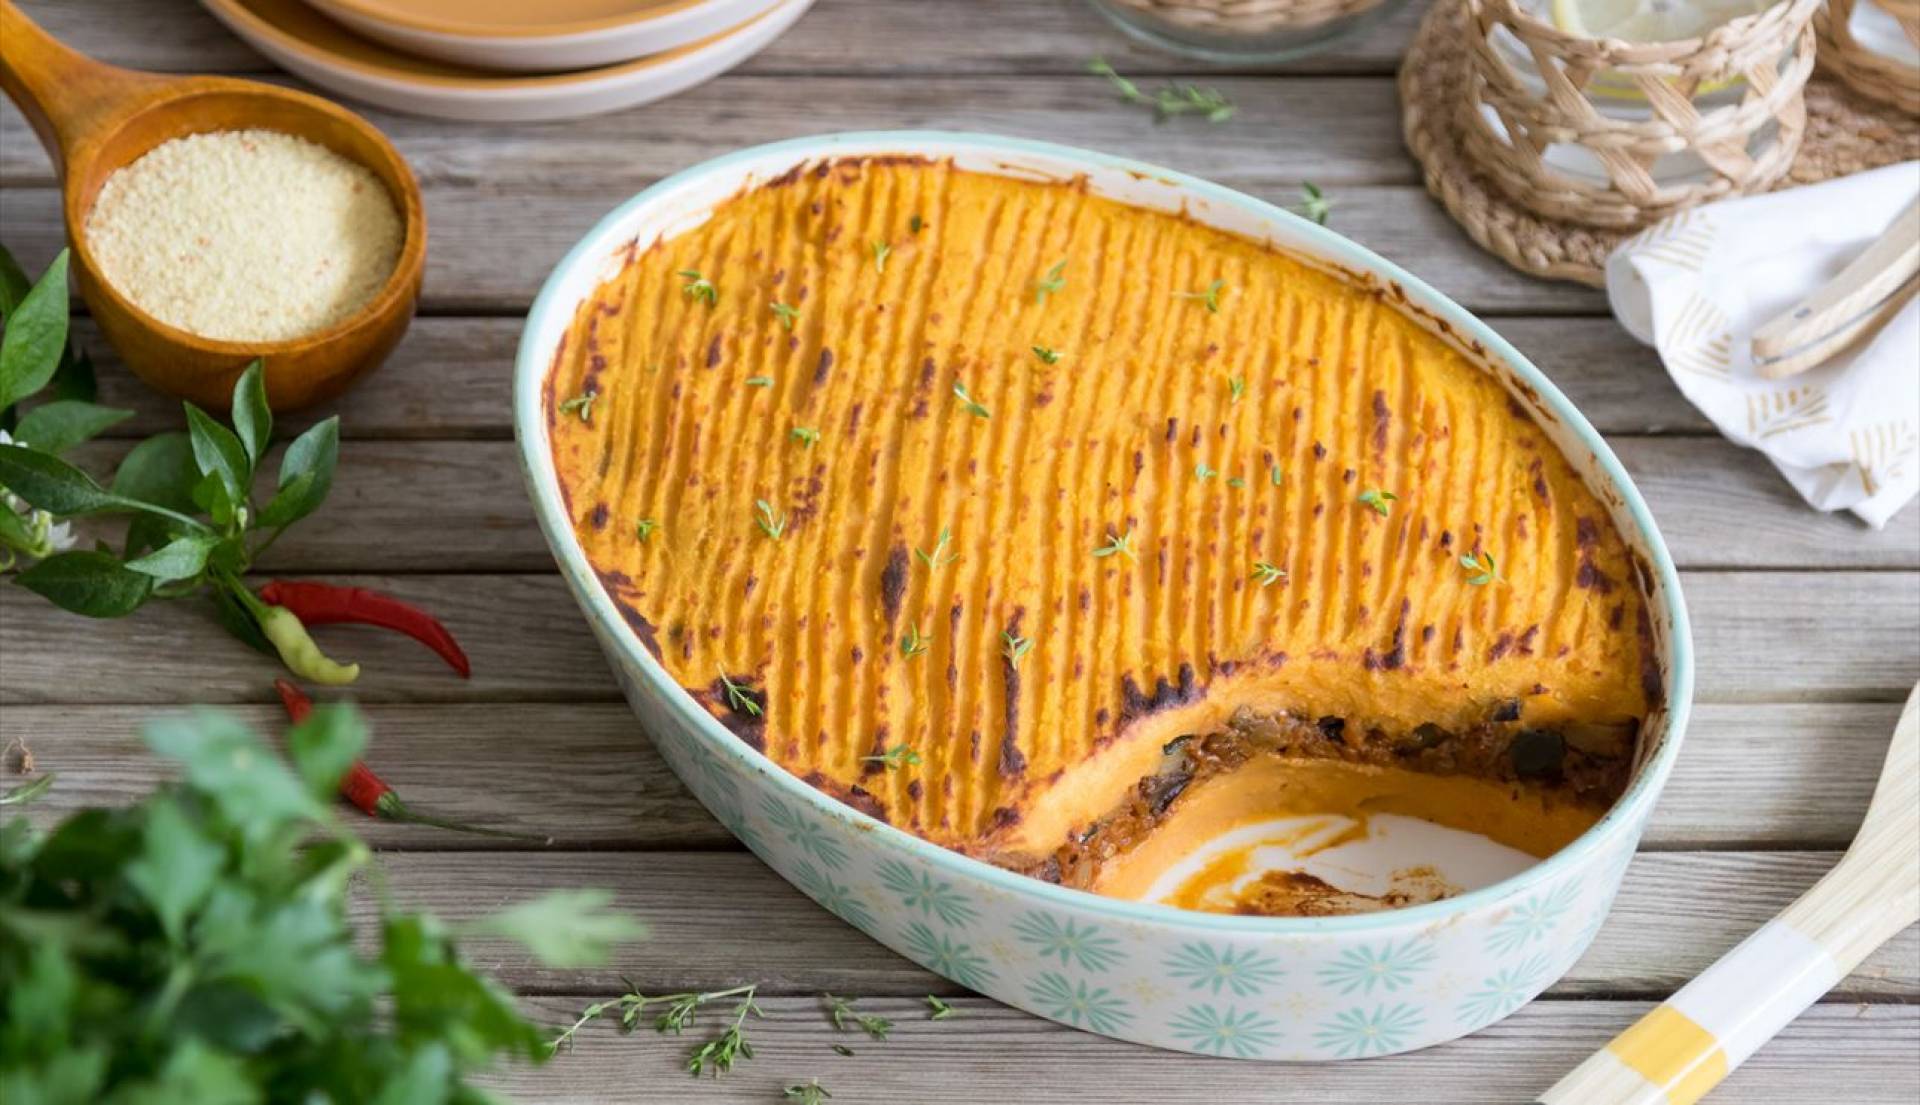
{"type": "Point", "coordinates": [1807, 627]}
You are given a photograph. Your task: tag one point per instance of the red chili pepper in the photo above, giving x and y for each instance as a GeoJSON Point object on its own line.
{"type": "Point", "coordinates": [369, 793]}
{"type": "Point", "coordinates": [326, 604]}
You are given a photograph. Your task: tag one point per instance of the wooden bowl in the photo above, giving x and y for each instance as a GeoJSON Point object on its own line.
{"type": "Point", "coordinates": [95, 118]}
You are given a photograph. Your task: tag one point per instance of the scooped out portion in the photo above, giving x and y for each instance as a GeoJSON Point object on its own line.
{"type": "Point", "coordinates": [1077, 536]}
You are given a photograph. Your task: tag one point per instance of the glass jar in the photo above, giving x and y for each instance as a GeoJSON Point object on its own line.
{"type": "Point", "coordinates": [1243, 30]}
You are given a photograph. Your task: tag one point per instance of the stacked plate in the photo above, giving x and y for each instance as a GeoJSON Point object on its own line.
{"type": "Point", "coordinates": [507, 60]}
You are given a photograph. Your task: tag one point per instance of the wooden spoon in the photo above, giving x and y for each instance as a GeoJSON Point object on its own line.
{"type": "Point", "coordinates": [1688, 1043]}
{"type": "Point", "coordinates": [95, 118]}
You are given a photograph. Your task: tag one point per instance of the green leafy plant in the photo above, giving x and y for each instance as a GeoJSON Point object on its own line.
{"type": "Point", "coordinates": [195, 948]}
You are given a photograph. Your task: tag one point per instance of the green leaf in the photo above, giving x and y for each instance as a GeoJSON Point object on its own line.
{"type": "Point", "coordinates": [35, 337]}
{"type": "Point", "coordinates": [177, 868]}
{"type": "Point", "coordinates": [14, 284]}
{"type": "Point", "coordinates": [325, 745]}
{"type": "Point", "coordinates": [565, 929]}
{"type": "Point", "coordinates": [252, 419]}
{"type": "Point", "coordinates": [426, 1079]}
{"type": "Point", "coordinates": [74, 378]}
{"type": "Point", "coordinates": [181, 558]}
{"type": "Point", "coordinates": [226, 762]}
{"type": "Point", "coordinates": [159, 470]}
{"type": "Point", "coordinates": [195, 1074]}
{"type": "Point", "coordinates": [218, 452]}
{"type": "Point", "coordinates": [306, 475]}
{"type": "Point", "coordinates": [60, 425]}
{"type": "Point", "coordinates": [51, 484]}
{"type": "Point", "coordinates": [15, 534]}
{"type": "Point", "coordinates": [211, 495]}
{"type": "Point", "coordinates": [236, 619]}
{"type": "Point", "coordinates": [95, 584]}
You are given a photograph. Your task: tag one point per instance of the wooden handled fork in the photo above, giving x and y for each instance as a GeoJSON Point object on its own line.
{"type": "Point", "coordinates": [1688, 1043]}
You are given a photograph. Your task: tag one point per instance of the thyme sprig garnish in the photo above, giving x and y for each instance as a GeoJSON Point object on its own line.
{"type": "Point", "coordinates": [842, 1049]}
{"type": "Point", "coordinates": [915, 223]}
{"type": "Point", "coordinates": [940, 556]}
{"type": "Point", "coordinates": [581, 404]}
{"type": "Point", "coordinates": [1268, 573]}
{"type": "Point", "coordinates": [771, 522]}
{"type": "Point", "coordinates": [805, 435]}
{"type": "Point", "coordinates": [1276, 475]}
{"type": "Point", "coordinates": [1015, 647]}
{"type": "Point", "coordinates": [1483, 567]}
{"type": "Point", "coordinates": [1203, 473]}
{"type": "Point", "coordinates": [1055, 280]}
{"type": "Point", "coordinates": [843, 1015]}
{"type": "Point", "coordinates": [895, 758]}
{"type": "Point", "coordinates": [698, 287]}
{"type": "Point", "coordinates": [1236, 387]}
{"type": "Point", "coordinates": [880, 251]}
{"type": "Point", "coordinates": [784, 313]}
{"type": "Point", "coordinates": [968, 403]}
{"type": "Point", "coordinates": [1120, 544]}
{"type": "Point", "coordinates": [1313, 203]}
{"type": "Point", "coordinates": [913, 642]}
{"type": "Point", "coordinates": [1047, 355]}
{"type": "Point", "coordinates": [941, 1010]}
{"type": "Point", "coordinates": [1209, 296]}
{"type": "Point", "coordinates": [810, 1093]}
{"type": "Point", "coordinates": [737, 697]}
{"type": "Point", "coordinates": [645, 528]}
{"type": "Point", "coordinates": [759, 381]}
{"type": "Point", "coordinates": [716, 1055]}
{"type": "Point", "coordinates": [1236, 482]}
{"type": "Point", "coordinates": [1378, 500]}
{"type": "Point", "coordinates": [1184, 99]}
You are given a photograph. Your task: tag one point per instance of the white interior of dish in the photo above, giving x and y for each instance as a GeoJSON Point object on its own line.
{"type": "Point", "coordinates": [684, 202]}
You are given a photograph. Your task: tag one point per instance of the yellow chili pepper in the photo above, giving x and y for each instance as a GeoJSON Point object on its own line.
{"type": "Point", "coordinates": [297, 650]}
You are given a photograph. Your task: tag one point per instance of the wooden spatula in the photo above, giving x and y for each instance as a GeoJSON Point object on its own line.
{"type": "Point", "coordinates": [1688, 1043]}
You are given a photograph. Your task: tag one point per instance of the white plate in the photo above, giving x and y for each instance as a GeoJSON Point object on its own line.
{"type": "Point", "coordinates": [320, 50]}
{"type": "Point", "coordinates": [545, 44]}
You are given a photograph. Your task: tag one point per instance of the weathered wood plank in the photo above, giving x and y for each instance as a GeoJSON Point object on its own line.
{"type": "Point", "coordinates": [1863, 1055]}
{"type": "Point", "coordinates": [1758, 637]}
{"type": "Point", "coordinates": [875, 37]}
{"type": "Point", "coordinates": [1336, 131]}
{"type": "Point", "coordinates": [1677, 912]}
{"type": "Point", "coordinates": [585, 775]}
{"type": "Point", "coordinates": [452, 378]}
{"type": "Point", "coordinates": [491, 249]}
{"type": "Point", "coordinates": [395, 504]}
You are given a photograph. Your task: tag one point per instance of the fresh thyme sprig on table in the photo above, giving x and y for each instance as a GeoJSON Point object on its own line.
{"type": "Point", "coordinates": [716, 1055]}
{"type": "Point", "coordinates": [842, 1013]}
{"type": "Point", "coordinates": [1313, 203]}
{"type": "Point", "coordinates": [940, 1009]}
{"type": "Point", "coordinates": [811, 1093]}
{"type": "Point", "coordinates": [1182, 99]}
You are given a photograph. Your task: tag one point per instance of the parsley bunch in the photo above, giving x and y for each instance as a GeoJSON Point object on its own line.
{"type": "Point", "coordinates": [195, 948]}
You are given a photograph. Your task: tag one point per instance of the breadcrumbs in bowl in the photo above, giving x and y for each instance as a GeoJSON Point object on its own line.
{"type": "Point", "coordinates": [245, 235]}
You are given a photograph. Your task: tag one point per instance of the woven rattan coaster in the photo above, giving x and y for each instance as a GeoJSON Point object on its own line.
{"type": "Point", "coordinates": [1846, 133]}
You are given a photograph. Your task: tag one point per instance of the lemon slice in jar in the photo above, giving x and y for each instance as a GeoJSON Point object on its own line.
{"type": "Point", "coordinates": [1647, 21]}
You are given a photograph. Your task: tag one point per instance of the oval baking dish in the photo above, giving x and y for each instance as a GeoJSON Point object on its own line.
{"type": "Point", "coordinates": [1249, 987]}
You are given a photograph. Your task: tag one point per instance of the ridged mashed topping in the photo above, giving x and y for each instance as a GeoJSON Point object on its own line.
{"type": "Point", "coordinates": [960, 496]}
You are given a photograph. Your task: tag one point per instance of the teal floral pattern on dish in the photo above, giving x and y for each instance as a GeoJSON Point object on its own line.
{"type": "Point", "coordinates": [920, 890]}
{"type": "Point", "coordinates": [1078, 1004]}
{"type": "Point", "coordinates": [1360, 1031]}
{"type": "Point", "coordinates": [1225, 1032]}
{"type": "Point", "coordinates": [1534, 919]}
{"type": "Point", "coordinates": [943, 955]}
{"type": "Point", "coordinates": [809, 836]}
{"type": "Point", "coordinates": [1388, 966]}
{"type": "Point", "coordinates": [1203, 966]}
{"type": "Point", "coordinates": [1504, 991]}
{"type": "Point", "coordinates": [1085, 945]}
{"type": "Point", "coordinates": [820, 886]}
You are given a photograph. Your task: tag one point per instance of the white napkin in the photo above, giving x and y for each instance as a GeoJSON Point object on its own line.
{"type": "Point", "coordinates": [1846, 433]}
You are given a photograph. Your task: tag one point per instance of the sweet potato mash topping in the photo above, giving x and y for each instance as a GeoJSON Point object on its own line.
{"type": "Point", "coordinates": [962, 496]}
